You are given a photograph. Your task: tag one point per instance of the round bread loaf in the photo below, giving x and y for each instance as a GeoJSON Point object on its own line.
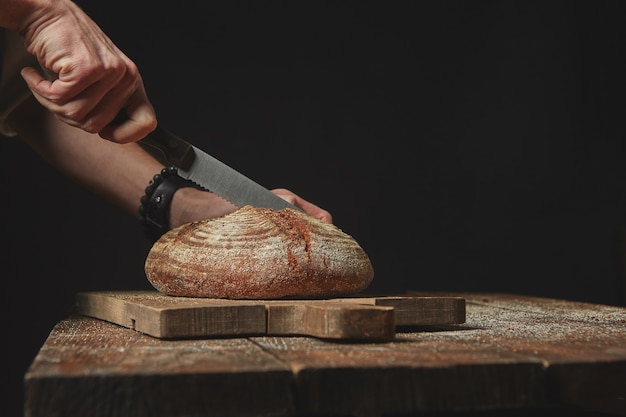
{"type": "Point", "coordinates": [258, 253]}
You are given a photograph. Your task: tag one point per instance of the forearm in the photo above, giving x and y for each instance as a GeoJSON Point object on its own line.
{"type": "Point", "coordinates": [119, 173]}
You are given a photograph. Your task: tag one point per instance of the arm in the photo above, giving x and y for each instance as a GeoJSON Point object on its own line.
{"type": "Point", "coordinates": [119, 173]}
{"type": "Point", "coordinates": [92, 80]}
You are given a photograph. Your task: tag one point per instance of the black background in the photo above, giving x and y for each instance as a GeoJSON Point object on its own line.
{"type": "Point", "coordinates": [466, 145]}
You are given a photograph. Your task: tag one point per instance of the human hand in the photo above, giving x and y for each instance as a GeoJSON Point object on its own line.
{"type": "Point", "coordinates": [308, 207]}
{"type": "Point", "coordinates": [94, 79]}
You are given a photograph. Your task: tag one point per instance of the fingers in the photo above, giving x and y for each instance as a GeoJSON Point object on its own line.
{"type": "Point", "coordinates": [93, 112]}
{"type": "Point", "coordinates": [74, 93]}
{"type": "Point", "coordinates": [308, 207]}
{"type": "Point", "coordinates": [93, 108]}
{"type": "Point", "coordinates": [90, 80]}
{"type": "Point", "coordinates": [140, 121]}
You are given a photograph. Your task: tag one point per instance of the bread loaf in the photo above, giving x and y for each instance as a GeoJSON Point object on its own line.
{"type": "Point", "coordinates": [258, 253]}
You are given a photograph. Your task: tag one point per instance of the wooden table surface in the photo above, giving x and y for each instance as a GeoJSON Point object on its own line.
{"type": "Point", "coordinates": [512, 353]}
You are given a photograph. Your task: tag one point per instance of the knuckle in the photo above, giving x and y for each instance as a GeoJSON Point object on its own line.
{"type": "Point", "coordinates": [89, 125]}
{"type": "Point", "coordinates": [72, 113]}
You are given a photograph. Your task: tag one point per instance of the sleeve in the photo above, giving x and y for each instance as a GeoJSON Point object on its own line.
{"type": "Point", "coordinates": [13, 88]}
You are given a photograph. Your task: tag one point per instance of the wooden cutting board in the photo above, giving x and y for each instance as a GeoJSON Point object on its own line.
{"type": "Point", "coordinates": [168, 317]}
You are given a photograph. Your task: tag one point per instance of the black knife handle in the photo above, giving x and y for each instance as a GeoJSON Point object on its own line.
{"type": "Point", "coordinates": [176, 151]}
{"type": "Point", "coordinates": [172, 149]}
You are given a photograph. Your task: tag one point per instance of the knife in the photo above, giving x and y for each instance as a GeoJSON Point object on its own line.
{"type": "Point", "coordinates": [210, 173]}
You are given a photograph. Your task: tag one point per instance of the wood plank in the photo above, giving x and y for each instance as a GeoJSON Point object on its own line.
{"type": "Point", "coordinates": [509, 354]}
{"type": "Point", "coordinates": [330, 320]}
{"type": "Point", "coordinates": [506, 356]}
{"type": "Point", "coordinates": [583, 343]}
{"type": "Point", "coordinates": [164, 316]}
{"type": "Point", "coordinates": [416, 372]}
{"type": "Point", "coordinates": [173, 317]}
{"type": "Point", "coordinates": [92, 368]}
{"type": "Point", "coordinates": [418, 310]}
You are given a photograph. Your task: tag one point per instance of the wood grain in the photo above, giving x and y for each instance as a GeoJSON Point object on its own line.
{"type": "Point", "coordinates": [512, 353]}
{"type": "Point", "coordinates": [88, 368]}
{"type": "Point", "coordinates": [164, 316]}
{"type": "Point", "coordinates": [330, 320]}
{"type": "Point", "coordinates": [418, 310]}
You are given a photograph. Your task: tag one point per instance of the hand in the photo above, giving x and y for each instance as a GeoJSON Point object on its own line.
{"type": "Point", "coordinates": [94, 79]}
{"type": "Point", "coordinates": [309, 208]}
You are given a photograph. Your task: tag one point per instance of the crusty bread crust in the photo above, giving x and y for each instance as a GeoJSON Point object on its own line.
{"type": "Point", "coordinates": [258, 253]}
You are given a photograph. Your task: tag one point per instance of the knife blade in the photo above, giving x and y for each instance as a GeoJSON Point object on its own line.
{"type": "Point", "coordinates": [209, 172]}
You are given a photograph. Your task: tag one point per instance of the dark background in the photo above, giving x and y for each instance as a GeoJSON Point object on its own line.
{"type": "Point", "coordinates": [466, 145]}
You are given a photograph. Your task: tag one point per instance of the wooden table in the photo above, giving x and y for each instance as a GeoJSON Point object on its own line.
{"type": "Point", "coordinates": [513, 352]}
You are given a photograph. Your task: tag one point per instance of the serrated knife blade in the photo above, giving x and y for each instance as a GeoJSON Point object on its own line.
{"type": "Point", "coordinates": [210, 173]}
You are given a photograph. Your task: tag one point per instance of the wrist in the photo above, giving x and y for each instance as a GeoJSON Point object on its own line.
{"type": "Point", "coordinates": [171, 200]}
{"type": "Point", "coordinates": [154, 211]}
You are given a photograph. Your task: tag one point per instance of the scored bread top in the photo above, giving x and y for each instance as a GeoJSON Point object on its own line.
{"type": "Point", "coordinates": [258, 253]}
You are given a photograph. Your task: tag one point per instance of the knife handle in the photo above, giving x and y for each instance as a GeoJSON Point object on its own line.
{"type": "Point", "coordinates": [172, 149]}
{"type": "Point", "coordinates": [175, 151]}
